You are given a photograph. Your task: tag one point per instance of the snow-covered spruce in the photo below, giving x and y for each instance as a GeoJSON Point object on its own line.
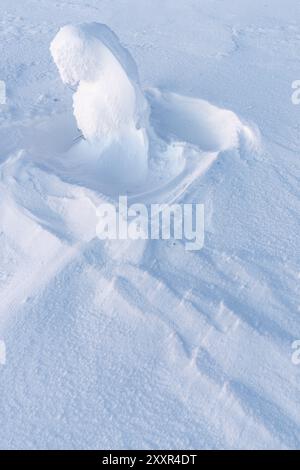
{"type": "Point", "coordinates": [109, 106]}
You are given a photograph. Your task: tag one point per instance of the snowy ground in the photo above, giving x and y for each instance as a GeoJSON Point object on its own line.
{"type": "Point", "coordinates": [143, 344]}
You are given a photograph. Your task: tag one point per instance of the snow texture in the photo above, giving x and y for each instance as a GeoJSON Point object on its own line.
{"type": "Point", "coordinates": [142, 344]}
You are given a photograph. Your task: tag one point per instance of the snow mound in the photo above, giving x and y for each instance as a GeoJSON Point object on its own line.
{"type": "Point", "coordinates": [109, 106]}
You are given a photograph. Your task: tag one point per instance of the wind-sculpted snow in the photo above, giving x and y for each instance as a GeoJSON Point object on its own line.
{"type": "Point", "coordinates": [112, 111]}
{"type": "Point", "coordinates": [195, 121]}
{"type": "Point", "coordinates": [108, 105]}
{"type": "Point", "coordinates": [143, 344]}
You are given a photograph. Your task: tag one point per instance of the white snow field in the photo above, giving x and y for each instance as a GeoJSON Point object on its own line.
{"type": "Point", "coordinates": [143, 344]}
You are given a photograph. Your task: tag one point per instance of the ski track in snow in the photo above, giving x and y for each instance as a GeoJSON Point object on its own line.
{"type": "Point", "coordinates": [146, 345]}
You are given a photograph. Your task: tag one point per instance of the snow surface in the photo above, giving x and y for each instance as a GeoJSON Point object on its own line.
{"type": "Point", "coordinates": [142, 344]}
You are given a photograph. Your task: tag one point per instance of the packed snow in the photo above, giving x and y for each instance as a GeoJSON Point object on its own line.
{"type": "Point", "coordinates": [142, 344]}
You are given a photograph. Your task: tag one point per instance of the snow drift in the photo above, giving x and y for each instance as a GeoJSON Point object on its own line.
{"type": "Point", "coordinates": [195, 121]}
